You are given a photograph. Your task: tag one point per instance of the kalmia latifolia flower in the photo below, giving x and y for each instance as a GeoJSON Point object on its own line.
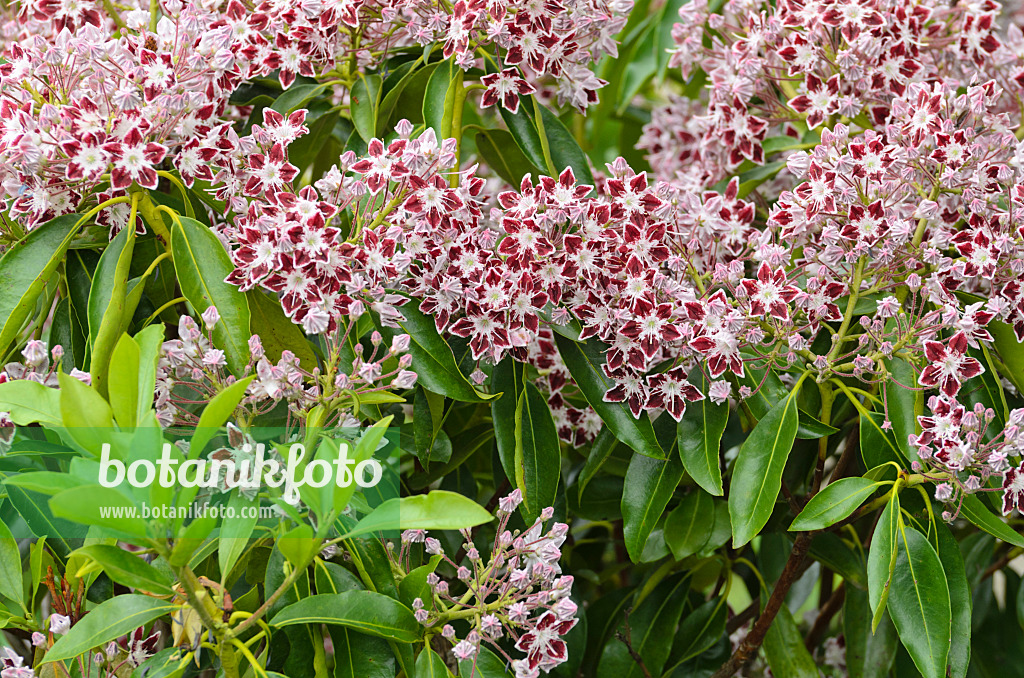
{"type": "Point", "coordinates": [519, 591]}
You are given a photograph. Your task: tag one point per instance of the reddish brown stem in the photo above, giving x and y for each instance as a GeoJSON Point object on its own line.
{"type": "Point", "coordinates": [750, 644]}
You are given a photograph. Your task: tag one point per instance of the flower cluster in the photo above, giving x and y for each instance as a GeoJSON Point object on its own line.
{"type": "Point", "coordinates": [191, 371]}
{"type": "Point", "coordinates": [519, 590]}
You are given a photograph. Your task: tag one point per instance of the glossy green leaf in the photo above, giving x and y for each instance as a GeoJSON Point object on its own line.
{"type": "Point", "coordinates": [700, 436]}
{"type": "Point", "coordinates": [499, 150]}
{"type": "Point", "coordinates": [296, 97]}
{"type": "Point", "coordinates": [217, 413]}
{"type": "Point", "coordinates": [276, 331]}
{"type": "Point", "coordinates": [86, 416]}
{"type": "Point", "coordinates": [29, 402]}
{"type": "Point", "coordinates": [868, 655]}
{"type": "Point", "coordinates": [699, 630]}
{"type": "Point", "coordinates": [436, 368]}
{"type": "Point", "coordinates": [975, 511]}
{"type": "Point", "coordinates": [648, 488]}
{"type": "Point", "coordinates": [769, 390]}
{"type": "Point", "coordinates": [600, 450]}
{"type": "Point", "coordinates": [757, 474]}
{"type": "Point", "coordinates": [1010, 351]}
{"type": "Point", "coordinates": [584, 361]}
{"type": "Point", "coordinates": [110, 304]}
{"type": "Point", "coordinates": [364, 611]}
{"type": "Point", "coordinates": [430, 665]}
{"type": "Point", "coordinates": [878, 445]}
{"type": "Point", "coordinates": [538, 457]}
{"type": "Point", "coordinates": [834, 503]}
{"type": "Point", "coordinates": [689, 526]}
{"type": "Point", "coordinates": [365, 101]}
{"type": "Point", "coordinates": [436, 510]}
{"type": "Point", "coordinates": [485, 664]}
{"type": "Point", "coordinates": [882, 558]}
{"type": "Point", "coordinates": [439, 98]}
{"type": "Point", "coordinates": [235, 532]}
{"type": "Point", "coordinates": [651, 624]}
{"type": "Point", "coordinates": [903, 405]}
{"type": "Point", "coordinates": [123, 382]}
{"type": "Point", "coordinates": [565, 151]}
{"type": "Point", "coordinates": [357, 655]}
{"type": "Point", "coordinates": [784, 648]}
{"type": "Point", "coordinates": [35, 511]}
{"type": "Point", "coordinates": [919, 603]}
{"type": "Point", "coordinates": [91, 504]}
{"type": "Point", "coordinates": [10, 566]}
{"type": "Point", "coordinates": [959, 598]}
{"type": "Point", "coordinates": [150, 342]}
{"type": "Point", "coordinates": [202, 264]}
{"type": "Point", "coordinates": [24, 269]}
{"type": "Point", "coordinates": [108, 620]}
{"type": "Point", "coordinates": [507, 378]}
{"type": "Point", "coordinates": [126, 568]}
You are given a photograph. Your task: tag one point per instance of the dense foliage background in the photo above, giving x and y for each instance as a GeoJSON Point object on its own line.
{"type": "Point", "coordinates": [676, 338]}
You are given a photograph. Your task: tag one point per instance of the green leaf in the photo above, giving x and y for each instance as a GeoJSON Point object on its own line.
{"type": "Point", "coordinates": [485, 664]}
{"type": "Point", "coordinates": [903, 405]}
{"type": "Point", "coordinates": [699, 630]}
{"type": "Point", "coordinates": [882, 558]}
{"type": "Point", "coordinates": [24, 269]}
{"type": "Point", "coordinates": [150, 341]}
{"type": "Point", "coordinates": [651, 625]}
{"type": "Point", "coordinates": [202, 264]}
{"type": "Point", "coordinates": [700, 436]}
{"type": "Point", "coordinates": [365, 100]}
{"type": "Point", "coordinates": [29, 402]}
{"type": "Point", "coordinates": [538, 458]}
{"type": "Point", "coordinates": [90, 504]}
{"type": "Point", "coordinates": [834, 503]}
{"type": "Point", "coordinates": [235, 532]}
{"type": "Point", "coordinates": [785, 650]}
{"type": "Point", "coordinates": [364, 611]}
{"type": "Point", "coordinates": [296, 97]}
{"type": "Point", "coordinates": [10, 566]}
{"type": "Point", "coordinates": [357, 655]}
{"type": "Point", "coordinates": [868, 655]}
{"type": "Point", "coordinates": [499, 150]}
{"type": "Point", "coordinates": [841, 557]}
{"type": "Point", "coordinates": [276, 331]}
{"type": "Point", "coordinates": [125, 568]}
{"type": "Point", "coordinates": [430, 665]}
{"type": "Point", "coordinates": [757, 474]}
{"type": "Point", "coordinates": [123, 382]}
{"type": "Point", "coordinates": [689, 526]}
{"type": "Point", "coordinates": [524, 130]}
{"type": "Point", "coordinates": [1010, 350]}
{"type": "Point", "coordinates": [600, 450]}
{"type": "Point", "coordinates": [584, 361]}
{"type": "Point", "coordinates": [975, 511]}
{"type": "Point", "coordinates": [959, 598]}
{"type": "Point", "coordinates": [33, 508]}
{"type": "Point", "coordinates": [110, 619]}
{"type": "Point", "coordinates": [649, 485]}
{"type": "Point", "coordinates": [507, 378]}
{"type": "Point", "coordinates": [919, 603]}
{"type": "Point", "coordinates": [565, 151]}
{"type": "Point", "coordinates": [878, 445]}
{"type": "Point", "coordinates": [436, 510]}
{"type": "Point", "coordinates": [111, 305]}
{"type": "Point", "coordinates": [439, 98]}
{"type": "Point", "coordinates": [435, 363]}
{"type": "Point", "coordinates": [217, 413]}
{"type": "Point", "coordinates": [86, 416]}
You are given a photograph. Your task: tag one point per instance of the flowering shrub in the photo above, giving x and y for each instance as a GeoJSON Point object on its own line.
{"type": "Point", "coordinates": [583, 338]}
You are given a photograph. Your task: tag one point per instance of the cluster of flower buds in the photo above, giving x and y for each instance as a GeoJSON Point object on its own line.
{"type": "Point", "coordinates": [519, 591]}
